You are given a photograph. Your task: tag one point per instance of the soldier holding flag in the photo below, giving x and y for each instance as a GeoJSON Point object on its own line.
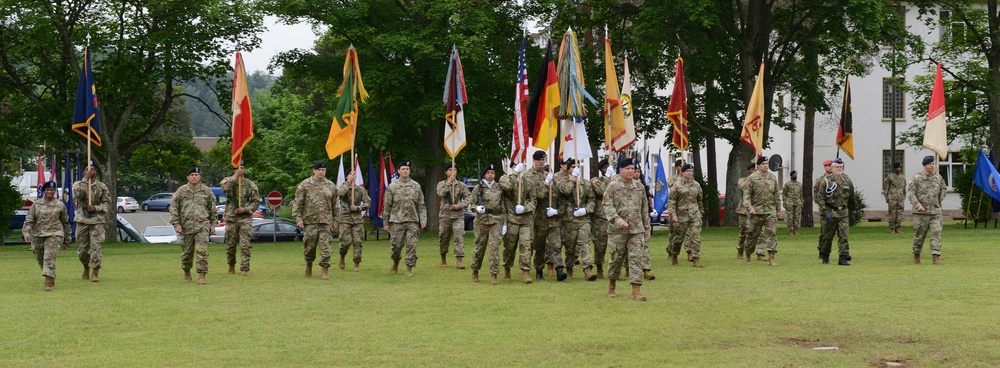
{"type": "Point", "coordinates": [90, 219]}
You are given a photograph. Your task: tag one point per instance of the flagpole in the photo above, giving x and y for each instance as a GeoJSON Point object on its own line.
{"type": "Point", "coordinates": [577, 156]}
{"type": "Point", "coordinates": [90, 180]}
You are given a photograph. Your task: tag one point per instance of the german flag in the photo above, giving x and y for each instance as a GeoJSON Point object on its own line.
{"type": "Point", "coordinates": [845, 130]}
{"type": "Point", "coordinates": [542, 122]}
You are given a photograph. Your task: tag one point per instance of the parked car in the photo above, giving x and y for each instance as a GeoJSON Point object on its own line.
{"type": "Point", "coordinates": [160, 234]}
{"type": "Point", "coordinates": [158, 202]}
{"type": "Point", "coordinates": [126, 232]}
{"type": "Point", "coordinates": [264, 231]}
{"type": "Point", "coordinates": [127, 204]}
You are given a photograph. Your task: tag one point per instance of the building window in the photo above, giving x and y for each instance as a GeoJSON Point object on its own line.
{"type": "Point", "coordinates": [953, 28]}
{"type": "Point", "coordinates": [887, 164]}
{"type": "Point", "coordinates": [951, 168]}
{"type": "Point", "coordinates": [893, 99]}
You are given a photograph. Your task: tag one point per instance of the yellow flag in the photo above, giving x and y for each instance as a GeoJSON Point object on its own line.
{"type": "Point", "coordinates": [753, 124]}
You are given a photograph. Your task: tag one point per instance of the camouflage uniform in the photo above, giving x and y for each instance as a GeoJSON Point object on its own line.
{"type": "Point", "coordinates": [927, 191]}
{"type": "Point", "coordinates": [193, 209]}
{"type": "Point", "coordinates": [575, 230]}
{"type": "Point", "coordinates": [834, 197]}
{"type": "Point", "coordinates": [47, 224]}
{"type": "Point", "coordinates": [762, 196]}
{"type": "Point", "coordinates": [315, 207]}
{"type": "Point", "coordinates": [744, 222]}
{"type": "Point", "coordinates": [352, 224]}
{"type": "Point", "coordinates": [675, 239]}
{"type": "Point", "coordinates": [239, 227]}
{"type": "Point", "coordinates": [520, 228]}
{"type": "Point", "coordinates": [548, 238]}
{"type": "Point", "coordinates": [451, 223]}
{"type": "Point", "coordinates": [894, 190]}
{"type": "Point", "coordinates": [688, 205]}
{"type": "Point", "coordinates": [90, 227]}
{"type": "Point", "coordinates": [599, 223]}
{"type": "Point", "coordinates": [406, 213]}
{"type": "Point", "coordinates": [487, 225]}
{"type": "Point", "coordinates": [791, 195]}
{"type": "Point", "coordinates": [626, 203]}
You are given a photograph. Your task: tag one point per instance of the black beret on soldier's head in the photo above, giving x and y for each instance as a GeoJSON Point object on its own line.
{"type": "Point", "coordinates": [927, 160]}
{"type": "Point", "coordinates": [545, 168]}
{"type": "Point", "coordinates": [761, 159]}
{"type": "Point", "coordinates": [406, 163]}
{"type": "Point", "coordinates": [838, 161]}
{"type": "Point", "coordinates": [194, 170]}
{"type": "Point", "coordinates": [450, 165]}
{"type": "Point", "coordinates": [751, 166]}
{"type": "Point", "coordinates": [897, 165]}
{"type": "Point", "coordinates": [319, 165]}
{"type": "Point", "coordinates": [625, 162]}
{"type": "Point", "coordinates": [569, 162]}
{"type": "Point", "coordinates": [538, 155]}
{"type": "Point", "coordinates": [489, 168]}
{"type": "Point", "coordinates": [602, 164]}
{"type": "Point", "coordinates": [49, 185]}
{"type": "Point", "coordinates": [687, 167]}
{"type": "Point", "coordinates": [679, 163]}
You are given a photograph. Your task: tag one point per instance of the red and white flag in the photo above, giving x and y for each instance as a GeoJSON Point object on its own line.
{"type": "Point", "coordinates": [519, 147]}
{"type": "Point", "coordinates": [936, 131]}
{"type": "Point", "coordinates": [242, 115]}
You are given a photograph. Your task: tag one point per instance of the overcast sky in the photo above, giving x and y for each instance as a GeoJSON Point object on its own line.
{"type": "Point", "coordinates": [278, 38]}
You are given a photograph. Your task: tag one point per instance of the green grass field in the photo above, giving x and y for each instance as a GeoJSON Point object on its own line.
{"type": "Point", "coordinates": [881, 309]}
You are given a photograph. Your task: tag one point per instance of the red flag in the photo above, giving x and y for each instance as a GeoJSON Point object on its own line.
{"type": "Point", "coordinates": [936, 130]}
{"type": "Point", "coordinates": [677, 111]}
{"type": "Point", "coordinates": [519, 147]}
{"type": "Point", "coordinates": [383, 181]}
{"type": "Point", "coordinates": [242, 116]}
{"type": "Point", "coordinates": [41, 175]}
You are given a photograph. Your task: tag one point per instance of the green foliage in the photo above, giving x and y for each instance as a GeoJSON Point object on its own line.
{"type": "Point", "coordinates": [710, 195]}
{"type": "Point", "coordinates": [856, 208]}
{"type": "Point", "coordinates": [208, 118]}
{"type": "Point", "coordinates": [166, 157]}
{"type": "Point", "coordinates": [10, 201]}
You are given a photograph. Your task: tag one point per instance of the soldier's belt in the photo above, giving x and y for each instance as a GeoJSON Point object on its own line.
{"type": "Point", "coordinates": [493, 212]}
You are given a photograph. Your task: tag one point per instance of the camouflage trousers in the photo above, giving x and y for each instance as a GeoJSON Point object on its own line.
{"type": "Point", "coordinates": [763, 229]}
{"type": "Point", "coordinates": [742, 245]}
{"type": "Point", "coordinates": [451, 230]}
{"type": "Point", "coordinates": [793, 217]}
{"type": "Point", "coordinates": [518, 237]}
{"type": "Point", "coordinates": [350, 236]}
{"type": "Point", "coordinates": [191, 244]}
{"type": "Point", "coordinates": [922, 224]}
{"type": "Point", "coordinates": [238, 233]}
{"type": "Point", "coordinates": [841, 228]}
{"type": "Point", "coordinates": [676, 239]}
{"type": "Point", "coordinates": [89, 238]}
{"type": "Point", "coordinates": [626, 251]}
{"type": "Point", "coordinates": [895, 213]}
{"type": "Point", "coordinates": [600, 228]}
{"type": "Point", "coordinates": [688, 232]}
{"type": "Point", "coordinates": [45, 249]}
{"type": "Point", "coordinates": [576, 239]}
{"type": "Point", "coordinates": [318, 235]}
{"type": "Point", "coordinates": [547, 244]}
{"type": "Point", "coordinates": [404, 233]}
{"type": "Point", "coordinates": [487, 235]}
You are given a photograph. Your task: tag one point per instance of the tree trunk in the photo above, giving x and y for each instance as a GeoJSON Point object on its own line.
{"type": "Point", "coordinates": [434, 172]}
{"type": "Point", "coordinates": [713, 178]}
{"type": "Point", "coordinates": [738, 158]}
{"type": "Point", "coordinates": [808, 130]}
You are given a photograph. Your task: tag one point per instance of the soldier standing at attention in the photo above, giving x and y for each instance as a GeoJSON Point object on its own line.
{"type": "Point", "coordinates": [744, 219]}
{"type": "Point", "coordinates": [240, 207]}
{"type": "Point", "coordinates": [46, 227]}
{"type": "Point", "coordinates": [791, 195]}
{"type": "Point", "coordinates": [927, 190]}
{"type": "Point", "coordinates": [819, 193]}
{"type": "Point", "coordinates": [453, 198]}
{"type": "Point", "coordinates": [599, 223]}
{"type": "Point", "coordinates": [405, 212]}
{"type": "Point", "coordinates": [687, 206]}
{"type": "Point", "coordinates": [628, 214]}
{"type": "Point", "coordinates": [578, 204]}
{"type": "Point", "coordinates": [548, 238]}
{"type": "Point", "coordinates": [894, 190]}
{"type": "Point", "coordinates": [353, 204]}
{"type": "Point", "coordinates": [93, 204]}
{"type": "Point", "coordinates": [314, 209]}
{"type": "Point", "coordinates": [762, 201]}
{"type": "Point", "coordinates": [676, 239]}
{"type": "Point", "coordinates": [488, 199]}
{"type": "Point", "coordinates": [836, 197]}
{"type": "Point", "coordinates": [193, 214]}
{"type": "Point", "coordinates": [522, 191]}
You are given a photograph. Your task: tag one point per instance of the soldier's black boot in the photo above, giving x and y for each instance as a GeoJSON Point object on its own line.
{"type": "Point", "coordinates": [843, 261]}
{"type": "Point", "coordinates": [848, 257]}
{"type": "Point", "coordinates": [538, 274]}
{"type": "Point", "coordinates": [561, 274]}
{"type": "Point", "coordinates": [825, 257]}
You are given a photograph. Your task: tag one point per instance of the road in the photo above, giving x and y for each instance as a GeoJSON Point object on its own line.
{"type": "Point", "coordinates": [141, 219]}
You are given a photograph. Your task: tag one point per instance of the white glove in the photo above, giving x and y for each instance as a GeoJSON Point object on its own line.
{"type": "Point", "coordinates": [480, 209]}
{"type": "Point", "coordinates": [519, 168]}
{"type": "Point", "coordinates": [576, 171]}
{"type": "Point", "coordinates": [519, 209]}
{"type": "Point", "coordinates": [609, 172]}
{"type": "Point", "coordinates": [503, 229]}
{"type": "Point", "coordinates": [551, 212]}
{"type": "Point", "coordinates": [359, 205]}
{"type": "Point", "coordinates": [653, 214]}
{"type": "Point", "coordinates": [548, 179]}
{"type": "Point", "coordinates": [580, 212]}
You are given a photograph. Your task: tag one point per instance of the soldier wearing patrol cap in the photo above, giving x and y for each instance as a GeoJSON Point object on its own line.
{"type": "Point", "coordinates": [94, 202]}
{"type": "Point", "coordinates": [315, 210]}
{"type": "Point", "coordinates": [453, 198]}
{"type": "Point", "coordinates": [243, 201]}
{"type": "Point", "coordinates": [193, 215]}
{"type": "Point", "coordinates": [927, 191]}
{"type": "Point", "coordinates": [761, 202]}
{"type": "Point", "coordinates": [894, 191]}
{"type": "Point", "coordinates": [405, 215]}
{"type": "Point", "coordinates": [487, 197]}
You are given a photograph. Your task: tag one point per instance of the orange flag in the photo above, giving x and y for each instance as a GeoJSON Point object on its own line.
{"type": "Point", "coordinates": [753, 124]}
{"type": "Point", "coordinates": [242, 116]}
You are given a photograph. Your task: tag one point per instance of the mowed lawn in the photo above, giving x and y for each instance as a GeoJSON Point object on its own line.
{"type": "Point", "coordinates": [881, 310]}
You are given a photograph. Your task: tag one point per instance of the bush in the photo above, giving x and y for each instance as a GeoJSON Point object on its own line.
{"type": "Point", "coordinates": [857, 207]}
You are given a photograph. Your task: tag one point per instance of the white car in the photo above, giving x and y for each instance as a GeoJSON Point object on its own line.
{"type": "Point", "coordinates": [160, 234]}
{"type": "Point", "coordinates": [127, 204]}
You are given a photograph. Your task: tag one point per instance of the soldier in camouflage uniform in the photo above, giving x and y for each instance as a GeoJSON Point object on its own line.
{"type": "Point", "coordinates": [762, 201]}
{"type": "Point", "coordinates": [548, 238]}
{"type": "Point", "coordinates": [927, 191]}
{"type": "Point", "coordinates": [453, 198]}
{"type": "Point", "coordinates": [687, 206]}
{"type": "Point", "coordinates": [193, 214]}
{"type": "Point", "coordinates": [834, 196]}
{"type": "Point", "coordinates": [627, 209]}
{"type": "Point", "coordinates": [744, 220]}
{"type": "Point", "coordinates": [93, 205]}
{"type": "Point", "coordinates": [575, 231]}
{"type": "Point", "coordinates": [46, 227]}
{"type": "Point", "coordinates": [894, 190]}
{"type": "Point", "coordinates": [791, 195]}
{"type": "Point", "coordinates": [351, 218]}
{"type": "Point", "coordinates": [676, 237]}
{"type": "Point", "coordinates": [599, 220]}
{"type": "Point", "coordinates": [239, 211]}
{"type": "Point", "coordinates": [487, 197]}
{"type": "Point", "coordinates": [521, 189]}
{"type": "Point", "coordinates": [315, 210]}
{"type": "Point", "coordinates": [404, 210]}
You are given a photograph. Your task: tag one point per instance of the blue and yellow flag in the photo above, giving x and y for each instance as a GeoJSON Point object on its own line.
{"type": "Point", "coordinates": [85, 115]}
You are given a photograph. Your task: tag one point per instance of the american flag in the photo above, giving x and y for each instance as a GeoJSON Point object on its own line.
{"type": "Point", "coordinates": [519, 149]}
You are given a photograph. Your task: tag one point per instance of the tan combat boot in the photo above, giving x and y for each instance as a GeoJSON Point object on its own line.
{"type": "Point", "coordinates": [916, 258]}
{"type": "Point", "coordinates": [937, 259]}
{"type": "Point", "coordinates": [409, 270]}
{"type": "Point", "coordinates": [395, 267]}
{"type": "Point", "coordinates": [600, 271]}
{"type": "Point", "coordinates": [341, 263]}
{"type": "Point", "coordinates": [636, 295]}
{"type": "Point", "coordinates": [309, 269]}
{"type": "Point", "coordinates": [673, 259]}
{"type": "Point", "coordinates": [444, 260]}
{"type": "Point", "coordinates": [94, 277]}
{"type": "Point", "coordinates": [49, 283]}
{"type": "Point", "coordinates": [357, 266]}
{"type": "Point", "coordinates": [611, 288]}
{"type": "Point", "coordinates": [326, 274]}
{"type": "Point", "coordinates": [475, 276]}
{"type": "Point", "coordinates": [649, 276]}
{"type": "Point", "coordinates": [697, 263]}
{"type": "Point", "coordinates": [739, 255]}
{"type": "Point", "coordinates": [232, 270]}
{"type": "Point", "coordinates": [506, 274]}
{"type": "Point", "coordinates": [493, 279]}
{"type": "Point", "coordinates": [201, 278]}
{"type": "Point", "coordinates": [458, 263]}
{"type": "Point", "coordinates": [747, 260]}
{"type": "Point", "coordinates": [770, 259]}
{"type": "Point", "coordinates": [569, 272]}
{"type": "Point", "coordinates": [525, 278]}
{"type": "Point", "coordinates": [587, 275]}
{"type": "Point", "coordinates": [187, 275]}
{"type": "Point", "coordinates": [86, 273]}
{"type": "Point", "coordinates": [551, 270]}
{"type": "Point", "coordinates": [760, 257]}
{"type": "Point", "coordinates": [244, 273]}
{"type": "Point", "coordinates": [690, 259]}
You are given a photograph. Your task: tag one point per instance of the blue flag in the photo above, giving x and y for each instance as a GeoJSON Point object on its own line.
{"type": "Point", "coordinates": [85, 109]}
{"type": "Point", "coordinates": [987, 177]}
{"type": "Point", "coordinates": [373, 192]}
{"type": "Point", "coordinates": [67, 196]}
{"type": "Point", "coordinates": [662, 192]}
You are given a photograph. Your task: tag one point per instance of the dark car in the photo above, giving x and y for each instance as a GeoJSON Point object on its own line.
{"type": "Point", "coordinates": [263, 231]}
{"type": "Point", "coordinates": [470, 218]}
{"type": "Point", "coordinates": [126, 232]}
{"type": "Point", "coordinates": [158, 202]}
